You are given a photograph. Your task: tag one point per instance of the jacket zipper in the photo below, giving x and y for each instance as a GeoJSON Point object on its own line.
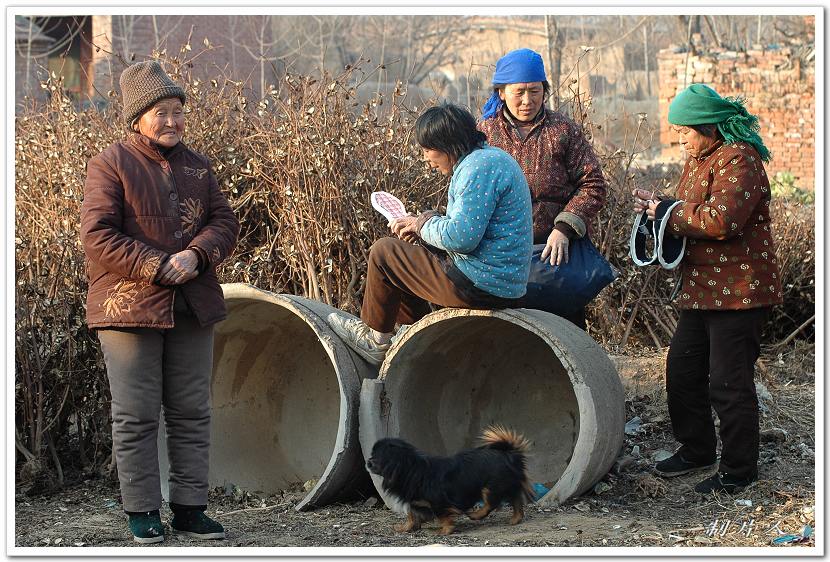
{"type": "Point", "coordinates": [169, 171]}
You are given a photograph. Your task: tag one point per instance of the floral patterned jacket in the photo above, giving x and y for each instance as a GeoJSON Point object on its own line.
{"type": "Point", "coordinates": [730, 260]}
{"type": "Point", "coordinates": [139, 208]}
{"type": "Point", "coordinates": [557, 161]}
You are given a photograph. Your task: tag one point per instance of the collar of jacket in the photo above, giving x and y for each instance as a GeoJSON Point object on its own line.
{"type": "Point", "coordinates": [708, 153]}
{"type": "Point", "coordinates": [152, 150]}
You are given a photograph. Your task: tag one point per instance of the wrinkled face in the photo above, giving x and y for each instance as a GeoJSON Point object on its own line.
{"type": "Point", "coordinates": [163, 123]}
{"type": "Point", "coordinates": [524, 99]}
{"type": "Point", "coordinates": [693, 142]}
{"type": "Point", "coordinates": [438, 160]}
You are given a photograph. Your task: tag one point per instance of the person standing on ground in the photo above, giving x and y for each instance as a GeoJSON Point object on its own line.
{"type": "Point", "coordinates": [730, 280]}
{"type": "Point", "coordinates": [154, 226]}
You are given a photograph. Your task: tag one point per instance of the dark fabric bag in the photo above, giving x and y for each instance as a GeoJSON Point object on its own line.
{"type": "Point", "coordinates": [567, 288]}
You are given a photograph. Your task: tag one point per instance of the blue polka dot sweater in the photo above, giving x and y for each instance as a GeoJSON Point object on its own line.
{"type": "Point", "coordinates": [488, 228]}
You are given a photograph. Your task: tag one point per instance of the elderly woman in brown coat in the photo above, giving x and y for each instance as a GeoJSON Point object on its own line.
{"type": "Point", "coordinates": [154, 226]}
{"type": "Point", "coordinates": [730, 282]}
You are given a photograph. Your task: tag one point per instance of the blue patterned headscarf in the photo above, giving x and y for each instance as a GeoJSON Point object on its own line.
{"type": "Point", "coordinates": [519, 66]}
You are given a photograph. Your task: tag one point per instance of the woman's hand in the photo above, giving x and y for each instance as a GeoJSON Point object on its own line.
{"type": "Point", "coordinates": [405, 228]}
{"type": "Point", "coordinates": [645, 201]}
{"type": "Point", "coordinates": [556, 247]}
{"type": "Point", "coordinates": [179, 268]}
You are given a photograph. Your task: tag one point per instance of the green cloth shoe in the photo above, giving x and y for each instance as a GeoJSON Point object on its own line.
{"type": "Point", "coordinates": [146, 526]}
{"type": "Point", "coordinates": [192, 522]}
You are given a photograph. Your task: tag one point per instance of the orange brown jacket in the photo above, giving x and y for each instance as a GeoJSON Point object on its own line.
{"type": "Point", "coordinates": [730, 260]}
{"type": "Point", "coordinates": [141, 206]}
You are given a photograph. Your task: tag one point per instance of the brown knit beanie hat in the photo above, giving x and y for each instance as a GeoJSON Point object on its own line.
{"type": "Point", "coordinates": [142, 85]}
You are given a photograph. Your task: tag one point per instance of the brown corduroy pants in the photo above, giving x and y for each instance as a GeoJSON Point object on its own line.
{"type": "Point", "coordinates": [402, 279]}
{"type": "Point", "coordinates": [150, 369]}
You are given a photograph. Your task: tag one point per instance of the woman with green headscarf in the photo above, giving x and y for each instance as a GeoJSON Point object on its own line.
{"type": "Point", "coordinates": [730, 280]}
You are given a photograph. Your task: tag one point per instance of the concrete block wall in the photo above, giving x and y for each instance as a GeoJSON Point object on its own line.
{"type": "Point", "coordinates": [779, 87]}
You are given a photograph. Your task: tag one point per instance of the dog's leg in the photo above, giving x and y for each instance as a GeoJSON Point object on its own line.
{"type": "Point", "coordinates": [518, 511]}
{"type": "Point", "coordinates": [413, 523]}
{"type": "Point", "coordinates": [447, 521]}
{"type": "Point", "coordinates": [484, 510]}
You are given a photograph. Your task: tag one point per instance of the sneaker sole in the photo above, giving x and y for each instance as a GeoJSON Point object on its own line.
{"type": "Point", "coordinates": [148, 540]}
{"type": "Point", "coordinates": [682, 472]}
{"type": "Point", "coordinates": [204, 536]}
{"type": "Point", "coordinates": [374, 361]}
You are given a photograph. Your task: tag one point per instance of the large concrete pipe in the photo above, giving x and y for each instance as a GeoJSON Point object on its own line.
{"type": "Point", "coordinates": [456, 371]}
{"type": "Point", "coordinates": [286, 394]}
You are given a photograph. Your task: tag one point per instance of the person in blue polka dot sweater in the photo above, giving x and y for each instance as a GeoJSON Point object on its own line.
{"type": "Point", "coordinates": [477, 255]}
{"type": "Point", "coordinates": [488, 228]}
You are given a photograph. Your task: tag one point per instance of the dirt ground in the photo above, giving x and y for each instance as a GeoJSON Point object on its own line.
{"type": "Point", "coordinates": [630, 507]}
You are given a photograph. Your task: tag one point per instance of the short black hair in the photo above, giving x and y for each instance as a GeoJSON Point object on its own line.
{"type": "Point", "coordinates": [707, 130]}
{"type": "Point", "coordinates": [449, 128]}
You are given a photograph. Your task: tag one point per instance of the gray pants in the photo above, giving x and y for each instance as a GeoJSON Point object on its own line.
{"type": "Point", "coordinates": [150, 369]}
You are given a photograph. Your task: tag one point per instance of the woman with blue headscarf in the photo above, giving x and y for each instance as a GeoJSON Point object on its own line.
{"type": "Point", "coordinates": [567, 187]}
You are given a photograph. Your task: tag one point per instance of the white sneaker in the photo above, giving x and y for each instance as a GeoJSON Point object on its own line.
{"type": "Point", "coordinates": [401, 329]}
{"type": "Point", "coordinates": [358, 336]}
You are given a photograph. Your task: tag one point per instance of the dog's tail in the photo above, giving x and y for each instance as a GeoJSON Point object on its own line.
{"type": "Point", "coordinates": [516, 446]}
{"type": "Point", "coordinates": [500, 438]}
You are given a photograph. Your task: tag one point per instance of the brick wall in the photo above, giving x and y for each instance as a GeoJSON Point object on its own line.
{"type": "Point", "coordinates": [779, 87]}
{"type": "Point", "coordinates": [137, 35]}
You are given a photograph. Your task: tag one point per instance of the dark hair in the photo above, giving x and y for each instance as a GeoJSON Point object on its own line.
{"type": "Point", "coordinates": [707, 130]}
{"type": "Point", "coordinates": [450, 129]}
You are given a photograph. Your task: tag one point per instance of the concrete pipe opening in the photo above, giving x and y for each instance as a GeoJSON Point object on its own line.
{"type": "Point", "coordinates": [285, 394]}
{"type": "Point", "coordinates": [457, 371]}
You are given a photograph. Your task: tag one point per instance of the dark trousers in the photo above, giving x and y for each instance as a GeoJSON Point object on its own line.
{"type": "Point", "coordinates": [150, 370]}
{"type": "Point", "coordinates": [711, 364]}
{"type": "Point", "coordinates": [402, 279]}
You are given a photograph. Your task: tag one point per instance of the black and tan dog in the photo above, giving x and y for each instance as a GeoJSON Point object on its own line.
{"type": "Point", "coordinates": [446, 487]}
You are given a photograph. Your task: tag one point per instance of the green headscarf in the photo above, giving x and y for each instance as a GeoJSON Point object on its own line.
{"type": "Point", "coordinates": [699, 104]}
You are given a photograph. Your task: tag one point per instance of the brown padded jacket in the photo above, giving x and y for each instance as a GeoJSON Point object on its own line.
{"type": "Point", "coordinates": [139, 208]}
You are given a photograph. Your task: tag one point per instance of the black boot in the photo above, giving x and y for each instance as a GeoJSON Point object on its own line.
{"type": "Point", "coordinates": [191, 521]}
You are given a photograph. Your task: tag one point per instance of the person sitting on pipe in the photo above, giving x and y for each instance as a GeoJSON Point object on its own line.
{"type": "Point", "coordinates": [475, 256]}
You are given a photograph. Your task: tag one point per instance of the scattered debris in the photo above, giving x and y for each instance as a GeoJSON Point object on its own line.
{"type": "Point", "coordinates": [744, 503]}
{"type": "Point", "coordinates": [806, 451]}
{"type": "Point", "coordinates": [805, 535]}
{"type": "Point", "coordinates": [582, 506]}
{"type": "Point", "coordinates": [774, 435]}
{"type": "Point", "coordinates": [635, 452]}
{"type": "Point", "coordinates": [764, 397]}
{"type": "Point", "coordinates": [601, 487]}
{"type": "Point", "coordinates": [539, 491]}
{"type": "Point", "coordinates": [623, 464]}
{"type": "Point", "coordinates": [650, 485]}
{"type": "Point", "coordinates": [661, 455]}
{"type": "Point", "coordinates": [632, 426]}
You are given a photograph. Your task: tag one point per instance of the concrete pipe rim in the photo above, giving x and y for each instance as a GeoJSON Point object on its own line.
{"type": "Point", "coordinates": [342, 363]}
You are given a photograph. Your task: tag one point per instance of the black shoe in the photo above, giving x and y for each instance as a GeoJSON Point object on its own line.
{"type": "Point", "coordinates": [146, 526]}
{"type": "Point", "coordinates": [676, 465]}
{"type": "Point", "coordinates": [194, 523]}
{"type": "Point", "coordinates": [725, 482]}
